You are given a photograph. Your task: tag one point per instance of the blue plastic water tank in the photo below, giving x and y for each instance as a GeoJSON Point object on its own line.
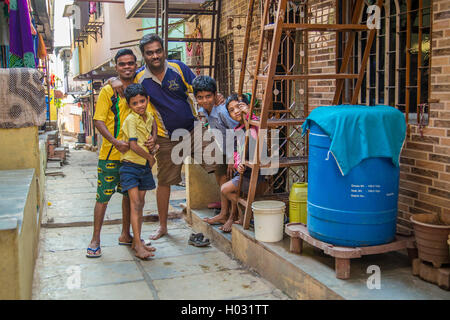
{"type": "Point", "coordinates": [355, 210]}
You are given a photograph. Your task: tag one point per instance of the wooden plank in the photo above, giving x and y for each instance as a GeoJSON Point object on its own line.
{"type": "Point", "coordinates": [298, 230]}
{"type": "Point", "coordinates": [242, 201]}
{"type": "Point", "coordinates": [419, 58]}
{"type": "Point", "coordinates": [246, 45]}
{"type": "Point", "coordinates": [342, 268]}
{"type": "Point", "coordinates": [327, 27]}
{"type": "Point", "coordinates": [280, 122]}
{"type": "Point", "coordinates": [408, 59]}
{"type": "Point", "coordinates": [369, 43]}
{"type": "Point", "coordinates": [317, 76]}
{"type": "Point", "coordinates": [387, 55]}
{"type": "Point", "coordinates": [393, 246]}
{"type": "Point", "coordinates": [438, 276]}
{"type": "Point", "coordinates": [283, 162]}
{"type": "Point", "coordinates": [296, 245]}
{"type": "Point", "coordinates": [348, 50]}
{"type": "Point", "coordinates": [254, 88]}
{"type": "Point", "coordinates": [267, 97]}
{"type": "Point", "coordinates": [211, 45]}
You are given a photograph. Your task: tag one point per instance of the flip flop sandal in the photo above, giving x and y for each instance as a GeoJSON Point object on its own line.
{"type": "Point", "coordinates": [122, 243]}
{"type": "Point", "coordinates": [93, 253]}
{"type": "Point", "coordinates": [198, 240]}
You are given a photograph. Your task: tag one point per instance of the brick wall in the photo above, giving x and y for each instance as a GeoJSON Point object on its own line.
{"type": "Point", "coordinates": [425, 160]}
{"type": "Point", "coordinates": [237, 10]}
{"type": "Point", "coordinates": [322, 53]}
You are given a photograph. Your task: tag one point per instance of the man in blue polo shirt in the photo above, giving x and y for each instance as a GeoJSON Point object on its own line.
{"type": "Point", "coordinates": [168, 84]}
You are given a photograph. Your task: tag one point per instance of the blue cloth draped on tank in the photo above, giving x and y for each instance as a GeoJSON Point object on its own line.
{"type": "Point", "coordinates": [360, 132]}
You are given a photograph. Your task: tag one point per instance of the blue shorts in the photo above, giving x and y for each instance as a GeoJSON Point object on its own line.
{"type": "Point", "coordinates": [136, 175]}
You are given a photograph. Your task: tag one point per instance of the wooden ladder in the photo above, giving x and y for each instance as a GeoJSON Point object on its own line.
{"type": "Point", "coordinates": [268, 78]}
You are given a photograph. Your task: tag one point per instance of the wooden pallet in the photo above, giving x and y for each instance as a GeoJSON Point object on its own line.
{"type": "Point", "coordinates": [426, 271]}
{"type": "Point", "coordinates": [299, 233]}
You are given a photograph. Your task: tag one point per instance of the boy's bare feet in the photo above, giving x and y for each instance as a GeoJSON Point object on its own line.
{"type": "Point", "coordinates": [227, 226]}
{"type": "Point", "coordinates": [159, 233]}
{"type": "Point", "coordinates": [220, 218]}
{"type": "Point", "coordinates": [143, 254]}
{"type": "Point", "coordinates": [147, 247]}
{"type": "Point", "coordinates": [125, 238]}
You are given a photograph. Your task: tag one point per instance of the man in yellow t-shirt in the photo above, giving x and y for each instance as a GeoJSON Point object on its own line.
{"type": "Point", "coordinates": [110, 113]}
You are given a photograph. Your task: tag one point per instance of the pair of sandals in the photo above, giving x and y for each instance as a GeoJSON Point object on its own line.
{"type": "Point", "coordinates": [198, 240]}
{"type": "Point", "coordinates": [92, 253]}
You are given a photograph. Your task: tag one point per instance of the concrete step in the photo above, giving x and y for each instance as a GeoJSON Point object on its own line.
{"type": "Point", "coordinates": [312, 274]}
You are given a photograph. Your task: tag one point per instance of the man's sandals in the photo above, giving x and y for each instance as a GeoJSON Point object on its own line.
{"type": "Point", "coordinates": [198, 240]}
{"type": "Point", "coordinates": [92, 253]}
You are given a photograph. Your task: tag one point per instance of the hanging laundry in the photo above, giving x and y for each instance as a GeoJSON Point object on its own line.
{"type": "Point", "coordinates": [42, 51]}
{"type": "Point", "coordinates": [4, 56]}
{"type": "Point", "coordinates": [92, 7]}
{"type": "Point", "coordinates": [4, 24]}
{"type": "Point", "coordinates": [20, 37]}
{"type": "Point", "coordinates": [35, 41]}
{"type": "Point", "coordinates": [21, 106]}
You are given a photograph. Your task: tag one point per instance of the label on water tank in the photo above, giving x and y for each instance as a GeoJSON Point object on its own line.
{"type": "Point", "coordinates": [364, 190]}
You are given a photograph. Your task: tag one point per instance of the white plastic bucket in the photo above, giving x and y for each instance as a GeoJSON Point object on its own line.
{"type": "Point", "coordinates": [268, 218]}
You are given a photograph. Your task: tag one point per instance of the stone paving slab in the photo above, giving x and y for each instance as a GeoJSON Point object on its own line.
{"type": "Point", "coordinates": [123, 291]}
{"type": "Point", "coordinates": [274, 295]}
{"type": "Point", "coordinates": [78, 257]}
{"type": "Point", "coordinates": [199, 263]}
{"type": "Point", "coordinates": [67, 239]}
{"type": "Point", "coordinates": [177, 271]}
{"type": "Point", "coordinates": [214, 285]}
{"type": "Point", "coordinates": [57, 277]}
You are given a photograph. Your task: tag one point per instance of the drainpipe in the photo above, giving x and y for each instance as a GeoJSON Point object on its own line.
{"type": "Point", "coordinates": [94, 139]}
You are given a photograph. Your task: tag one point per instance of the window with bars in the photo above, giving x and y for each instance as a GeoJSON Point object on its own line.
{"type": "Point", "coordinates": [398, 70]}
{"type": "Point", "coordinates": [225, 66]}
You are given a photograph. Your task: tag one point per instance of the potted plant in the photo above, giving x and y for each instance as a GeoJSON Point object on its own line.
{"type": "Point", "coordinates": [432, 234]}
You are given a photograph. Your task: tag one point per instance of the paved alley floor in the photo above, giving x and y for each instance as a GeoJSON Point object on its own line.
{"type": "Point", "coordinates": [178, 270]}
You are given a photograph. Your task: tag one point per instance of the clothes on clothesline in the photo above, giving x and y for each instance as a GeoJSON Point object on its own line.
{"type": "Point", "coordinates": [92, 7]}
{"type": "Point", "coordinates": [4, 56]}
{"type": "Point", "coordinates": [4, 24]}
{"type": "Point", "coordinates": [22, 53]}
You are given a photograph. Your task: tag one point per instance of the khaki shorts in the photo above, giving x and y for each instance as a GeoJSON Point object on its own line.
{"type": "Point", "coordinates": [169, 173]}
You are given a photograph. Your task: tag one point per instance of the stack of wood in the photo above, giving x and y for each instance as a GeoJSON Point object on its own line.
{"type": "Point", "coordinates": [60, 153]}
{"type": "Point", "coordinates": [426, 271]}
{"type": "Point", "coordinates": [56, 154]}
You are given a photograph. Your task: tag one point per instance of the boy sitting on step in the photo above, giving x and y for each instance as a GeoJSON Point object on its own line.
{"type": "Point", "coordinates": [238, 109]}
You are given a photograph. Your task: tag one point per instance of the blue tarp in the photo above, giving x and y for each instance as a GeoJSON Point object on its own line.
{"type": "Point", "coordinates": [360, 132]}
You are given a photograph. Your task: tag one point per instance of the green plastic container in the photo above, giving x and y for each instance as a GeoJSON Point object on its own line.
{"type": "Point", "coordinates": [297, 202]}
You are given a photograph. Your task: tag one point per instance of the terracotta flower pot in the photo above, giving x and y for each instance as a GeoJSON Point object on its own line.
{"type": "Point", "coordinates": [448, 241]}
{"type": "Point", "coordinates": [431, 239]}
